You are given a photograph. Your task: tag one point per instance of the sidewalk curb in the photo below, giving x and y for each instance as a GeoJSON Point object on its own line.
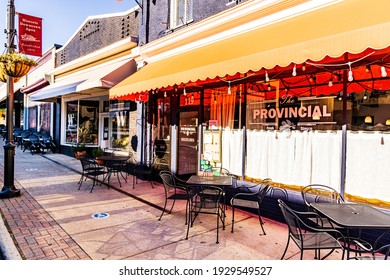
{"type": "Point", "coordinates": [7, 245]}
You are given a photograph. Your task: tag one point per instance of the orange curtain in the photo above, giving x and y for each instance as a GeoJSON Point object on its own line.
{"type": "Point", "coordinates": [223, 106]}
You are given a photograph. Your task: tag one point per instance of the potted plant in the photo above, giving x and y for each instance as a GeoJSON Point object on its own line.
{"type": "Point", "coordinates": [96, 153]}
{"type": "Point", "coordinates": [79, 150]}
{"type": "Point", "coordinates": [15, 65]}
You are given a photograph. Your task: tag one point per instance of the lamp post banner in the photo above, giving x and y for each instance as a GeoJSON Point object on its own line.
{"type": "Point", "coordinates": [30, 35]}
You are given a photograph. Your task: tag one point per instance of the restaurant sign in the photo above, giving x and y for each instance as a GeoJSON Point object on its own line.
{"type": "Point", "coordinates": [292, 112]}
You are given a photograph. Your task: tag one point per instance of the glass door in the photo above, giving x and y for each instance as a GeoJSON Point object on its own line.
{"type": "Point", "coordinates": [188, 142]}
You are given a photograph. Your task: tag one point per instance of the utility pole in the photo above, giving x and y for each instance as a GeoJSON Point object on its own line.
{"type": "Point", "coordinates": [9, 189]}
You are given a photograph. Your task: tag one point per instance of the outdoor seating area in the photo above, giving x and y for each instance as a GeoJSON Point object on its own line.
{"type": "Point", "coordinates": [212, 200]}
{"type": "Point", "coordinates": [34, 141]}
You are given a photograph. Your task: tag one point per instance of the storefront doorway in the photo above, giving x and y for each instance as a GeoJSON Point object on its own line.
{"type": "Point", "coordinates": [188, 142]}
{"type": "Point", "coordinates": [104, 130]}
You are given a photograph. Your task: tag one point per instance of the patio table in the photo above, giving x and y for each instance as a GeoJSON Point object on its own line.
{"type": "Point", "coordinates": [114, 164]}
{"type": "Point", "coordinates": [354, 216]}
{"type": "Point", "coordinates": [220, 181]}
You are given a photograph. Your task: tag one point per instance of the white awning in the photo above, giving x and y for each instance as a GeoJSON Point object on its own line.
{"type": "Point", "coordinates": [103, 76]}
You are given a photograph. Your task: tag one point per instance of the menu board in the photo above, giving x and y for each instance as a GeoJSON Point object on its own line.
{"type": "Point", "coordinates": [211, 154]}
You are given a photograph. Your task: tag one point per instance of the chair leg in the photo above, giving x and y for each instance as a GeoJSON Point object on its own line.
{"type": "Point", "coordinates": [218, 217]}
{"type": "Point", "coordinates": [162, 213]}
{"type": "Point", "coordinates": [232, 218]}
{"type": "Point", "coordinates": [285, 249]}
{"type": "Point", "coordinates": [261, 222]}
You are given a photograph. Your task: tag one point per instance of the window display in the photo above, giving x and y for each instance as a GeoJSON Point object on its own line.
{"type": "Point", "coordinates": [82, 122]}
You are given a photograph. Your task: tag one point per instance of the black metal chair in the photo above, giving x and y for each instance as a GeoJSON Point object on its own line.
{"type": "Point", "coordinates": [206, 200]}
{"type": "Point", "coordinates": [143, 170]}
{"type": "Point", "coordinates": [35, 144]}
{"type": "Point", "coordinates": [91, 170]}
{"type": "Point", "coordinates": [250, 197]}
{"type": "Point", "coordinates": [47, 143]}
{"type": "Point", "coordinates": [307, 237]}
{"type": "Point", "coordinates": [174, 189]}
{"type": "Point", "coordinates": [381, 253]}
{"type": "Point", "coordinates": [23, 139]}
{"type": "Point", "coordinates": [320, 194]}
{"type": "Point", "coordinates": [116, 167]}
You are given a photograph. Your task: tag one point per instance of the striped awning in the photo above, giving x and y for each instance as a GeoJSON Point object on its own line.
{"type": "Point", "coordinates": [347, 26]}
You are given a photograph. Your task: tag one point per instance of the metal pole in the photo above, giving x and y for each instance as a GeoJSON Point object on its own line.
{"type": "Point", "coordinates": [9, 189]}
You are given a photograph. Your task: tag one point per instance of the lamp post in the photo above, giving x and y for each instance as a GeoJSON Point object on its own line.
{"type": "Point", "coordinates": [9, 189]}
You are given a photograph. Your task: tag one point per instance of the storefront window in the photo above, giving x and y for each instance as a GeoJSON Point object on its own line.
{"type": "Point", "coordinates": [162, 135]}
{"type": "Point", "coordinates": [368, 145]}
{"type": "Point", "coordinates": [222, 106]}
{"type": "Point", "coordinates": [82, 122]}
{"type": "Point", "coordinates": [119, 117]}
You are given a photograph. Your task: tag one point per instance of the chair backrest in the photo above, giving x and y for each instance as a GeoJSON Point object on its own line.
{"type": "Point", "coordinates": [278, 192]}
{"type": "Point", "coordinates": [33, 138]}
{"type": "Point", "coordinates": [25, 133]}
{"type": "Point", "coordinates": [264, 187]}
{"type": "Point", "coordinates": [320, 193]}
{"type": "Point", "coordinates": [294, 223]}
{"type": "Point", "coordinates": [88, 164]}
{"type": "Point", "coordinates": [167, 177]}
{"type": "Point", "coordinates": [208, 197]}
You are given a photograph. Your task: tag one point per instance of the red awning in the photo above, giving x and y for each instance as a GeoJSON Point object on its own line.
{"type": "Point", "coordinates": [41, 83]}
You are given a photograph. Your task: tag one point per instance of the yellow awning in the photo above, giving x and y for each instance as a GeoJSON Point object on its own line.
{"type": "Point", "coordinates": [348, 26]}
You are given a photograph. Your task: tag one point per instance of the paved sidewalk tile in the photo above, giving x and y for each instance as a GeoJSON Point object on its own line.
{"type": "Point", "coordinates": [37, 234]}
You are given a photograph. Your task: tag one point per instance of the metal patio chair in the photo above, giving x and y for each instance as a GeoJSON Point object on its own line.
{"type": "Point", "coordinates": [250, 197]}
{"type": "Point", "coordinates": [322, 194]}
{"type": "Point", "coordinates": [174, 189]}
{"type": "Point", "coordinates": [206, 200]}
{"type": "Point", "coordinates": [307, 237]}
{"type": "Point", "coordinates": [91, 170]}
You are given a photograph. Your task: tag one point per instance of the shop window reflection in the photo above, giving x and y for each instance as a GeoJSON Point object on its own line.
{"type": "Point", "coordinates": [82, 122]}
{"type": "Point", "coordinates": [120, 124]}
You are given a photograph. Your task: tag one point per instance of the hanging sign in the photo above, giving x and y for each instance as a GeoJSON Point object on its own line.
{"type": "Point", "coordinates": [30, 35]}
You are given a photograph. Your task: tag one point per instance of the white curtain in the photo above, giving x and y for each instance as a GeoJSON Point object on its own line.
{"type": "Point", "coordinates": [368, 165]}
{"type": "Point", "coordinates": [303, 158]}
{"type": "Point", "coordinates": [295, 158]}
{"type": "Point", "coordinates": [326, 158]}
{"type": "Point", "coordinates": [281, 157]}
{"type": "Point", "coordinates": [232, 150]}
{"type": "Point", "coordinates": [257, 154]}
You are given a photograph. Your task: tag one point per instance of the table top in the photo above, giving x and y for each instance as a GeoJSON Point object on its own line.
{"type": "Point", "coordinates": [113, 158]}
{"type": "Point", "coordinates": [354, 215]}
{"type": "Point", "coordinates": [222, 181]}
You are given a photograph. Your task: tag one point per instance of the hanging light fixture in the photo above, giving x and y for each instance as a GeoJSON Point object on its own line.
{"type": "Point", "coordinates": [383, 71]}
{"type": "Point", "coordinates": [304, 66]}
{"type": "Point", "coordinates": [229, 89]}
{"type": "Point", "coordinates": [266, 76]}
{"type": "Point", "coordinates": [350, 73]}
{"type": "Point", "coordinates": [184, 91]}
{"type": "Point", "coordinates": [330, 83]}
{"type": "Point", "coordinates": [294, 72]}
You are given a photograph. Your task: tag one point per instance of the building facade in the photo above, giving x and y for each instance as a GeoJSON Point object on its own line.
{"type": "Point", "coordinates": [266, 89]}
{"type": "Point", "coordinates": [94, 59]}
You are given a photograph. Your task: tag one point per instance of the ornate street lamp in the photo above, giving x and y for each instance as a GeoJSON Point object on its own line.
{"type": "Point", "coordinates": [9, 189]}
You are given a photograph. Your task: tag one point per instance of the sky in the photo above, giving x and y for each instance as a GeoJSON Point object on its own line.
{"type": "Point", "coordinates": [61, 18]}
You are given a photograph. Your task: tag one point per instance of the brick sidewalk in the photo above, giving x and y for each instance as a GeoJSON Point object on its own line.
{"type": "Point", "coordinates": [37, 235]}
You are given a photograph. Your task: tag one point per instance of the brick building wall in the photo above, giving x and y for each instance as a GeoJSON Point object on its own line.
{"type": "Point", "coordinates": [159, 16]}
{"type": "Point", "coordinates": [97, 33]}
